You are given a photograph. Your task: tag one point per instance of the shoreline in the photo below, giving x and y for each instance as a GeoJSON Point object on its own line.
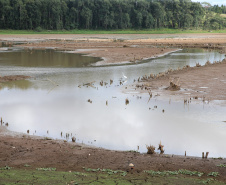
{"type": "Point", "coordinates": [200, 83]}
{"type": "Point", "coordinates": [23, 149]}
{"type": "Point", "coordinates": [103, 63]}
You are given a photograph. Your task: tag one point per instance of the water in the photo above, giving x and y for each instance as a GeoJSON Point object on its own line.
{"type": "Point", "coordinates": [55, 100]}
{"type": "Point", "coordinates": [43, 58]}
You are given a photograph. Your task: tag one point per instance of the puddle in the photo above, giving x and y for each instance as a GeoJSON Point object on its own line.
{"type": "Point", "coordinates": [56, 99]}
{"type": "Point", "coordinates": [44, 58]}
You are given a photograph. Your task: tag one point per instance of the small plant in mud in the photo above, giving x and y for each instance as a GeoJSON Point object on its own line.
{"type": "Point", "coordinates": [27, 165]}
{"type": "Point", "coordinates": [214, 174]}
{"type": "Point", "coordinates": [161, 148]}
{"type": "Point", "coordinates": [163, 173]}
{"type": "Point", "coordinates": [222, 165]}
{"type": "Point", "coordinates": [133, 151]}
{"type": "Point", "coordinates": [198, 65]}
{"type": "Point", "coordinates": [108, 171]}
{"type": "Point", "coordinates": [174, 86]}
{"type": "Point", "coordinates": [166, 173]}
{"type": "Point", "coordinates": [151, 149]}
{"type": "Point", "coordinates": [80, 174]}
{"type": "Point", "coordinates": [46, 169]}
{"type": "Point", "coordinates": [6, 168]}
{"type": "Point", "coordinates": [207, 63]}
{"type": "Point", "coordinates": [220, 158]}
{"type": "Point", "coordinates": [188, 172]}
{"type": "Point", "coordinates": [47, 138]}
{"type": "Point", "coordinates": [208, 181]}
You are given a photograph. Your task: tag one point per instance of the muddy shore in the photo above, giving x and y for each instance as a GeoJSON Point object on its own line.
{"type": "Point", "coordinates": [206, 83]}
{"type": "Point", "coordinates": [12, 78]}
{"type": "Point", "coordinates": [203, 83]}
{"type": "Point", "coordinates": [19, 150]}
{"type": "Point", "coordinates": [117, 48]}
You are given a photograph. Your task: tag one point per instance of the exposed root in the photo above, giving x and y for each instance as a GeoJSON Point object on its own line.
{"type": "Point", "coordinates": [161, 148]}
{"type": "Point", "coordinates": [127, 101]}
{"type": "Point", "coordinates": [151, 149]}
{"type": "Point", "coordinates": [174, 86]}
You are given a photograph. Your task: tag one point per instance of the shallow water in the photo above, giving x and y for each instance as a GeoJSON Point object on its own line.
{"type": "Point", "coordinates": [55, 100]}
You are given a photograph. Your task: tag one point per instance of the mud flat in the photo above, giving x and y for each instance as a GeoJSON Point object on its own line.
{"type": "Point", "coordinates": [13, 78]}
{"type": "Point", "coordinates": [205, 83]}
{"type": "Point", "coordinates": [116, 48]}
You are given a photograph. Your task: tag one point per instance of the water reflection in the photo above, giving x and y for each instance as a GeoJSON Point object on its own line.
{"type": "Point", "coordinates": [44, 58]}
{"type": "Point", "coordinates": [116, 126]}
{"type": "Point", "coordinates": [20, 84]}
{"type": "Point", "coordinates": [56, 100]}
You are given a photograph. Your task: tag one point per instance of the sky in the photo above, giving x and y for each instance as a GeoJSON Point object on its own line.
{"type": "Point", "coordinates": [212, 2]}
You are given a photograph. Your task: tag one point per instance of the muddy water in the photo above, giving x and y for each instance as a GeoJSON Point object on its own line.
{"type": "Point", "coordinates": [55, 100]}
{"type": "Point", "coordinates": [44, 58]}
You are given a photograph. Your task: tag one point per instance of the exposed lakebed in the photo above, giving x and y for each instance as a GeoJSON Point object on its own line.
{"type": "Point", "coordinates": [55, 100]}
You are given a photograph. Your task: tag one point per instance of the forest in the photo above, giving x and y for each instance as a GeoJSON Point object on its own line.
{"type": "Point", "coordinates": [109, 14]}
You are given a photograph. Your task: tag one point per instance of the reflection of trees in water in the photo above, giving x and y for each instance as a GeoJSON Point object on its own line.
{"type": "Point", "coordinates": [46, 58]}
{"type": "Point", "coordinates": [20, 84]}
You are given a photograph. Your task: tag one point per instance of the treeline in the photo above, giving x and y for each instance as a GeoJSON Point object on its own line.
{"type": "Point", "coordinates": [106, 14]}
{"type": "Point", "coordinates": [218, 9]}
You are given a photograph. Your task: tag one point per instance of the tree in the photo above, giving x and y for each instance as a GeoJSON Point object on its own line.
{"type": "Point", "coordinates": [86, 17]}
{"type": "Point", "coordinates": [109, 14]}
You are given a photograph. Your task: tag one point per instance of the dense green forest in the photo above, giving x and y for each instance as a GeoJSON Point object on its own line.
{"type": "Point", "coordinates": [109, 14]}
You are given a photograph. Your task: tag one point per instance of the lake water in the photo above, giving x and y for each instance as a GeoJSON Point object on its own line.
{"type": "Point", "coordinates": [55, 101]}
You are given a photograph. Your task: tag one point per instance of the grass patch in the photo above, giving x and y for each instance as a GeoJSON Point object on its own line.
{"type": "Point", "coordinates": [222, 165]}
{"type": "Point", "coordinates": [27, 165]}
{"type": "Point", "coordinates": [6, 168]}
{"type": "Point", "coordinates": [98, 176]}
{"type": "Point", "coordinates": [145, 31]}
{"type": "Point", "coordinates": [108, 171]}
{"type": "Point", "coordinates": [214, 174]}
{"type": "Point", "coordinates": [166, 173]}
{"type": "Point", "coordinates": [223, 15]}
{"type": "Point", "coordinates": [46, 169]}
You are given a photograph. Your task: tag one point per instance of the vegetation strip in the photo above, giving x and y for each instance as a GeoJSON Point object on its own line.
{"type": "Point", "coordinates": [46, 169]}
{"type": "Point", "coordinates": [109, 171]}
{"type": "Point", "coordinates": [93, 176]}
{"type": "Point", "coordinates": [184, 172]}
{"type": "Point", "coordinates": [109, 14]}
{"type": "Point", "coordinates": [222, 165]}
{"type": "Point", "coordinates": [6, 168]}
